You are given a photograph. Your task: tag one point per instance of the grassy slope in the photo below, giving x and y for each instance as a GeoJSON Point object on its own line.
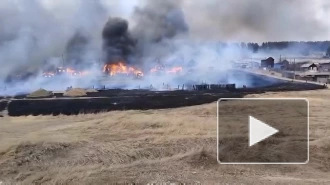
{"type": "Point", "coordinates": [174, 145]}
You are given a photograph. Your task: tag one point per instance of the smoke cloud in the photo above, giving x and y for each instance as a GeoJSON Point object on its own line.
{"type": "Point", "coordinates": [157, 24]}
{"type": "Point", "coordinates": [154, 26]}
{"type": "Point", "coordinates": [117, 41]}
{"type": "Point", "coordinates": [36, 33]}
{"type": "Point", "coordinates": [159, 20]}
{"type": "Point", "coordinates": [75, 48]}
{"type": "Point", "coordinates": [33, 31]}
{"type": "Point", "coordinates": [258, 20]}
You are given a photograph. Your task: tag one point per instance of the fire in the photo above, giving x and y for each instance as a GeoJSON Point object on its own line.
{"type": "Point", "coordinates": [68, 71]}
{"type": "Point", "coordinates": [175, 70]}
{"type": "Point", "coordinates": [121, 68]}
{"type": "Point", "coordinates": [75, 72]}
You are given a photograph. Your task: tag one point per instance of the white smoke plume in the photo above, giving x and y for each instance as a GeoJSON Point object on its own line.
{"type": "Point", "coordinates": [32, 31]}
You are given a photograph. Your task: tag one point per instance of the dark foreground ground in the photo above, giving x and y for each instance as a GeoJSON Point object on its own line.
{"type": "Point", "coordinates": [116, 99]}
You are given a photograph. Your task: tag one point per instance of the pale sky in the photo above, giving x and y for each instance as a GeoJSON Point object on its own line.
{"type": "Point", "coordinates": [224, 19]}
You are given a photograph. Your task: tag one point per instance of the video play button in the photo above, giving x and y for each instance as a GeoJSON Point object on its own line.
{"type": "Point", "coordinates": [259, 131]}
{"type": "Point", "coordinates": [262, 131]}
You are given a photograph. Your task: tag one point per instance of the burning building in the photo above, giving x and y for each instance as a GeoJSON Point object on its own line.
{"type": "Point", "coordinates": [120, 68]}
{"type": "Point", "coordinates": [174, 70]}
{"type": "Point", "coordinates": [60, 71]}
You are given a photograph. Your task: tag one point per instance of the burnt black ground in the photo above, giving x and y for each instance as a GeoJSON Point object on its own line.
{"type": "Point", "coordinates": [116, 99]}
{"type": "Point", "coordinates": [69, 106]}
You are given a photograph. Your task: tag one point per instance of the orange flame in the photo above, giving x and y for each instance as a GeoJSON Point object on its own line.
{"type": "Point", "coordinates": [69, 71]}
{"type": "Point", "coordinates": [175, 70]}
{"type": "Point", "coordinates": [75, 72]}
{"type": "Point", "coordinates": [121, 68]}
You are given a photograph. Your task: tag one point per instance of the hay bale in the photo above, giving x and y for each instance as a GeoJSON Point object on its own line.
{"type": "Point", "coordinates": [40, 93]}
{"type": "Point", "coordinates": [75, 92]}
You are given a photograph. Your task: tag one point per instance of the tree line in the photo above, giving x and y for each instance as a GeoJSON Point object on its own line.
{"type": "Point", "coordinates": [302, 47]}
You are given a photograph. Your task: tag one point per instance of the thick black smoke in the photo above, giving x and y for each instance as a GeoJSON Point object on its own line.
{"type": "Point", "coordinates": [156, 25]}
{"type": "Point", "coordinates": [117, 41]}
{"type": "Point", "coordinates": [76, 48]}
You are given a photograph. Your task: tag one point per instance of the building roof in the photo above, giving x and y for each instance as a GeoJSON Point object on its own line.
{"type": "Point", "coordinates": [325, 63]}
{"type": "Point", "coordinates": [269, 59]}
{"type": "Point", "coordinates": [308, 65]}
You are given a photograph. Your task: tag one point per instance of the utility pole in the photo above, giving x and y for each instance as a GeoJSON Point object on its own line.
{"type": "Point", "coordinates": [294, 69]}
{"type": "Point", "coordinates": [62, 61]}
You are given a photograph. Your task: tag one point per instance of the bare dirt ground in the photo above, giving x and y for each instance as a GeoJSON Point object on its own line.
{"type": "Point", "coordinates": [156, 146]}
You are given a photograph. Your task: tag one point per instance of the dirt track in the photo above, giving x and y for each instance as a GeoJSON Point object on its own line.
{"type": "Point", "coordinates": [173, 145]}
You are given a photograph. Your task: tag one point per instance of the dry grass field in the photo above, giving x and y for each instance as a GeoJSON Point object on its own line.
{"type": "Point", "coordinates": [156, 146]}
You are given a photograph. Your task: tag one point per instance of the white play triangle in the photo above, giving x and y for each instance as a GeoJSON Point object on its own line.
{"type": "Point", "coordinates": [259, 131]}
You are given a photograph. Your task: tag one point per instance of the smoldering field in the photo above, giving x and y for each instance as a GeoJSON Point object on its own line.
{"type": "Point", "coordinates": [172, 145]}
{"type": "Point", "coordinates": [39, 34]}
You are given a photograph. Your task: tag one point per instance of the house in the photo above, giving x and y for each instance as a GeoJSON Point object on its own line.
{"type": "Point", "coordinates": [312, 67]}
{"type": "Point", "coordinates": [321, 77]}
{"type": "Point", "coordinates": [284, 64]}
{"type": "Point", "coordinates": [268, 63]}
{"type": "Point", "coordinates": [324, 67]}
